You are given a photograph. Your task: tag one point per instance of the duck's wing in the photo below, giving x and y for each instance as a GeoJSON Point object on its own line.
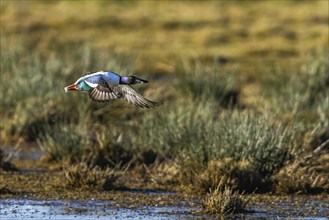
{"type": "Point", "coordinates": [129, 94]}
{"type": "Point", "coordinates": [102, 92]}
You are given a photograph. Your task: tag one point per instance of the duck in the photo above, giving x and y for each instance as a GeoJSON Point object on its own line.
{"type": "Point", "coordinates": [105, 86]}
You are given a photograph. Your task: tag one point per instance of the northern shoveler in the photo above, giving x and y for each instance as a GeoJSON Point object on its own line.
{"type": "Point", "coordinates": [105, 86]}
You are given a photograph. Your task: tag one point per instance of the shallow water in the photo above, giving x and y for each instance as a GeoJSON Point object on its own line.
{"type": "Point", "coordinates": [61, 209]}
{"type": "Point", "coordinates": [295, 207]}
{"type": "Point", "coordinates": [93, 209]}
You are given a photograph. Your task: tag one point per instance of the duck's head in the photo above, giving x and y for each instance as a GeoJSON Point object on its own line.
{"type": "Point", "coordinates": [78, 86]}
{"type": "Point", "coordinates": [132, 80]}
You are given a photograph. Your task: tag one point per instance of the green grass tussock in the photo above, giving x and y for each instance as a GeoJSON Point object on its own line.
{"type": "Point", "coordinates": [64, 142]}
{"type": "Point", "coordinates": [252, 140]}
{"type": "Point", "coordinates": [304, 89]}
{"type": "Point", "coordinates": [215, 83]}
{"type": "Point", "coordinates": [302, 96]}
{"type": "Point", "coordinates": [199, 133]}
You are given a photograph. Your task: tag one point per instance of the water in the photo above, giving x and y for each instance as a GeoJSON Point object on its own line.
{"type": "Point", "coordinates": [62, 209]}
{"type": "Point", "coordinates": [95, 209]}
{"type": "Point", "coordinates": [293, 207]}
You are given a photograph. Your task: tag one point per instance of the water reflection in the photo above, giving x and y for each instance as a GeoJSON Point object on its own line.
{"type": "Point", "coordinates": [61, 209]}
{"type": "Point", "coordinates": [94, 209]}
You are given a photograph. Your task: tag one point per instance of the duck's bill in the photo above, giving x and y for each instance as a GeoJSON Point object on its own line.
{"type": "Point", "coordinates": [71, 88]}
{"type": "Point", "coordinates": [139, 80]}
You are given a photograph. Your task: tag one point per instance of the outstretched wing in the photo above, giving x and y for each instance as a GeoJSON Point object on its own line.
{"type": "Point", "coordinates": [130, 95]}
{"type": "Point", "coordinates": [102, 92]}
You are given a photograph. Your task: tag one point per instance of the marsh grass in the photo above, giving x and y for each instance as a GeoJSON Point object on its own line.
{"type": "Point", "coordinates": [64, 142]}
{"type": "Point", "coordinates": [34, 87]}
{"type": "Point", "coordinates": [306, 174]}
{"type": "Point", "coordinates": [303, 89]}
{"type": "Point", "coordinates": [81, 141]}
{"type": "Point", "coordinates": [224, 202]}
{"type": "Point", "coordinates": [179, 128]}
{"type": "Point", "coordinates": [162, 173]}
{"type": "Point", "coordinates": [248, 136]}
{"type": "Point", "coordinates": [83, 177]}
{"type": "Point", "coordinates": [109, 147]}
{"type": "Point", "coordinates": [216, 83]}
{"type": "Point", "coordinates": [302, 96]}
{"type": "Point", "coordinates": [242, 136]}
{"type": "Point", "coordinates": [198, 134]}
{"type": "Point", "coordinates": [201, 126]}
{"type": "Point", "coordinates": [204, 127]}
{"type": "Point", "coordinates": [33, 94]}
{"type": "Point", "coordinates": [5, 162]}
{"type": "Point", "coordinates": [227, 172]}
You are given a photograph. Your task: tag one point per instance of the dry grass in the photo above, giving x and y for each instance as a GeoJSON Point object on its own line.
{"type": "Point", "coordinates": [223, 202]}
{"type": "Point", "coordinates": [5, 162]}
{"type": "Point", "coordinates": [81, 176]}
{"type": "Point", "coordinates": [229, 173]}
{"type": "Point", "coordinates": [307, 174]}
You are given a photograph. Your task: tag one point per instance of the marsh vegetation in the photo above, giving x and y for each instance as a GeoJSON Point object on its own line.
{"type": "Point", "coordinates": [244, 86]}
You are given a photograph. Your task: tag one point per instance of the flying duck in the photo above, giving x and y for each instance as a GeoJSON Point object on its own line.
{"type": "Point", "coordinates": [105, 86]}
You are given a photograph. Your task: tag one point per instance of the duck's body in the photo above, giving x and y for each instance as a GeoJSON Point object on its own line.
{"type": "Point", "coordinates": [105, 86]}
